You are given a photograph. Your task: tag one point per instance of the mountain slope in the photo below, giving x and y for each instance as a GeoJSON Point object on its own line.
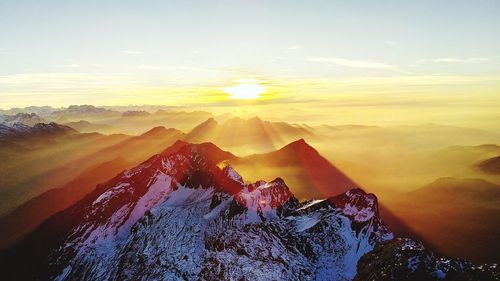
{"type": "Point", "coordinates": [79, 177]}
{"type": "Point", "coordinates": [179, 216]}
{"type": "Point", "coordinates": [309, 173]}
{"type": "Point", "coordinates": [136, 122]}
{"type": "Point", "coordinates": [450, 213]}
{"type": "Point", "coordinates": [18, 130]}
{"type": "Point", "coordinates": [29, 119]}
{"type": "Point", "coordinates": [491, 166]}
{"type": "Point", "coordinates": [30, 214]}
{"type": "Point", "coordinates": [406, 259]}
{"type": "Point", "coordinates": [88, 127]}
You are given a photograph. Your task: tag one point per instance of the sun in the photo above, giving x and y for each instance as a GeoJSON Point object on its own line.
{"type": "Point", "coordinates": [246, 90]}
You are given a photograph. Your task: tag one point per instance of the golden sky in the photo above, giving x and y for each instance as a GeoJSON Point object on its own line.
{"type": "Point", "coordinates": [319, 61]}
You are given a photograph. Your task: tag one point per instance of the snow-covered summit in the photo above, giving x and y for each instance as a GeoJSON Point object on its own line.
{"type": "Point", "coordinates": [179, 216]}
{"type": "Point", "coordinates": [18, 130]}
{"type": "Point", "coordinates": [29, 119]}
{"type": "Point", "coordinates": [407, 259]}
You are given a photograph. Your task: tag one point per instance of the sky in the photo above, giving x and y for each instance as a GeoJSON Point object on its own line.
{"type": "Point", "coordinates": [307, 54]}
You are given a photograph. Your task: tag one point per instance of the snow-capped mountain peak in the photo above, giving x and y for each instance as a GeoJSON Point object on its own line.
{"type": "Point", "coordinates": [18, 130]}
{"type": "Point", "coordinates": [29, 119]}
{"type": "Point", "coordinates": [232, 174]}
{"type": "Point", "coordinates": [178, 215]}
{"type": "Point", "coordinates": [357, 204]}
{"type": "Point", "coordinates": [263, 196]}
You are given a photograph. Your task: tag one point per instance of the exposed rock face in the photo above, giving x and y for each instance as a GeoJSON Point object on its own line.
{"type": "Point", "coordinates": [28, 119]}
{"type": "Point", "coordinates": [19, 130]}
{"type": "Point", "coordinates": [178, 216]}
{"type": "Point", "coordinates": [407, 259]}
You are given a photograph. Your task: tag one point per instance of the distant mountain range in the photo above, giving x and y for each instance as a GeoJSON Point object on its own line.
{"type": "Point", "coordinates": [180, 216]}
{"type": "Point", "coordinates": [29, 119]}
{"type": "Point", "coordinates": [247, 134]}
{"type": "Point", "coordinates": [20, 131]}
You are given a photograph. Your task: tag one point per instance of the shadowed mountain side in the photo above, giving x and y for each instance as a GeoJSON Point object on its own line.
{"type": "Point", "coordinates": [458, 217]}
{"type": "Point", "coordinates": [312, 175]}
{"type": "Point", "coordinates": [33, 165]}
{"type": "Point", "coordinates": [134, 149]}
{"type": "Point", "coordinates": [399, 227]}
{"type": "Point", "coordinates": [183, 177]}
{"type": "Point", "coordinates": [26, 217]}
{"type": "Point", "coordinates": [129, 152]}
{"type": "Point", "coordinates": [244, 135]}
{"type": "Point", "coordinates": [139, 148]}
{"type": "Point", "coordinates": [207, 149]}
{"type": "Point", "coordinates": [491, 166]}
{"type": "Point", "coordinates": [309, 174]}
{"type": "Point", "coordinates": [88, 127]}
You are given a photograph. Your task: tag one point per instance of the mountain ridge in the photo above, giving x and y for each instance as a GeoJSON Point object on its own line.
{"type": "Point", "coordinates": [193, 178]}
{"type": "Point", "coordinates": [178, 215]}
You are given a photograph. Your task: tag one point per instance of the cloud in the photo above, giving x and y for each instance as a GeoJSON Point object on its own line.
{"type": "Point", "coordinates": [297, 47]}
{"type": "Point", "coordinates": [132, 52]}
{"type": "Point", "coordinates": [355, 63]}
{"type": "Point", "coordinates": [457, 60]}
{"type": "Point", "coordinates": [389, 42]}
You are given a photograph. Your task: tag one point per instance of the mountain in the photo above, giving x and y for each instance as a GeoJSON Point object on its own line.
{"type": "Point", "coordinates": [407, 259]}
{"type": "Point", "coordinates": [491, 166]}
{"type": "Point", "coordinates": [463, 191]}
{"type": "Point", "coordinates": [88, 127]}
{"type": "Point", "coordinates": [65, 184]}
{"type": "Point", "coordinates": [87, 112]}
{"type": "Point", "coordinates": [179, 216]}
{"type": "Point", "coordinates": [13, 130]}
{"type": "Point", "coordinates": [39, 110]}
{"type": "Point", "coordinates": [450, 213]}
{"type": "Point", "coordinates": [243, 135]}
{"type": "Point", "coordinates": [460, 160]}
{"type": "Point", "coordinates": [82, 109]}
{"type": "Point", "coordinates": [29, 119]}
{"type": "Point", "coordinates": [139, 148]}
{"type": "Point", "coordinates": [309, 173]}
{"type": "Point", "coordinates": [20, 131]}
{"type": "Point", "coordinates": [134, 122]}
{"type": "Point", "coordinates": [33, 163]}
{"type": "Point", "coordinates": [132, 113]}
{"type": "Point", "coordinates": [25, 218]}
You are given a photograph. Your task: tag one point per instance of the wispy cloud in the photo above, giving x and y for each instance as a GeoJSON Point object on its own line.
{"type": "Point", "coordinates": [355, 63]}
{"type": "Point", "coordinates": [132, 52]}
{"type": "Point", "coordinates": [456, 60]}
{"type": "Point", "coordinates": [296, 47]}
{"type": "Point", "coordinates": [389, 42]}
